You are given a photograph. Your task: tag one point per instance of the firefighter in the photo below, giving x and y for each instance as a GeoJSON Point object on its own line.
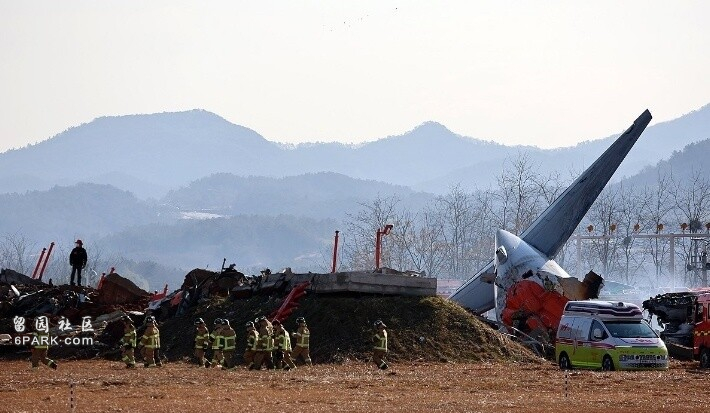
{"type": "Point", "coordinates": [229, 339]}
{"type": "Point", "coordinates": [202, 341]}
{"type": "Point", "coordinates": [252, 344]}
{"type": "Point", "coordinates": [217, 344]}
{"type": "Point", "coordinates": [40, 346]}
{"type": "Point", "coordinates": [149, 342]}
{"type": "Point", "coordinates": [265, 346]}
{"type": "Point", "coordinates": [156, 332]}
{"type": "Point", "coordinates": [379, 350]}
{"type": "Point", "coordinates": [282, 354]}
{"type": "Point", "coordinates": [302, 336]}
{"type": "Point", "coordinates": [128, 343]}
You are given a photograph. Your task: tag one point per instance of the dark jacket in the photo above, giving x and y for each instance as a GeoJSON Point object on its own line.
{"type": "Point", "coordinates": [77, 257]}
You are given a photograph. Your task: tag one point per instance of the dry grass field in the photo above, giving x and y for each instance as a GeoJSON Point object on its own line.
{"type": "Point", "coordinates": [104, 386]}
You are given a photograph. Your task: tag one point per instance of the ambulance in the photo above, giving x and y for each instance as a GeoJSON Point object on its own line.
{"type": "Point", "coordinates": [609, 336]}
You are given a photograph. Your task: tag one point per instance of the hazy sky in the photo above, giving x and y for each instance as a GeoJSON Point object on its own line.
{"type": "Point", "coordinates": [547, 73]}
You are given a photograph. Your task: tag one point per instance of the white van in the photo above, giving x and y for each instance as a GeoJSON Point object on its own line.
{"type": "Point", "coordinates": [608, 335]}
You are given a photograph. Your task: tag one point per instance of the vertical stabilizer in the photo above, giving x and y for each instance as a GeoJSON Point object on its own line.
{"type": "Point", "coordinates": [551, 230]}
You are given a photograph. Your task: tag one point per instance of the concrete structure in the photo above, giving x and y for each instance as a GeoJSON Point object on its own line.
{"type": "Point", "coordinates": [355, 282]}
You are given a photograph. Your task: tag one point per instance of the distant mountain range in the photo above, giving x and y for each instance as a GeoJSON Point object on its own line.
{"type": "Point", "coordinates": [151, 154]}
{"type": "Point", "coordinates": [683, 165]}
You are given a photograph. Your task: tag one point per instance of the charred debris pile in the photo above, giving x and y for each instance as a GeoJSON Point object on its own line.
{"type": "Point", "coordinates": [340, 310]}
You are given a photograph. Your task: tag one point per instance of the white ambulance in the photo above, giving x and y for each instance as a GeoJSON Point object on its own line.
{"type": "Point", "coordinates": [609, 336]}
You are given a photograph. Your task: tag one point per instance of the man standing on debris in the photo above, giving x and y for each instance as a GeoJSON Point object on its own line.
{"type": "Point", "coordinates": [379, 350]}
{"type": "Point", "coordinates": [303, 337]}
{"type": "Point", "coordinates": [202, 340]}
{"type": "Point", "coordinates": [229, 339]}
{"type": "Point", "coordinates": [40, 346]}
{"type": "Point", "coordinates": [217, 343]}
{"type": "Point", "coordinates": [77, 260]}
{"type": "Point", "coordinates": [282, 354]}
{"type": "Point", "coordinates": [252, 343]}
{"type": "Point", "coordinates": [128, 343]}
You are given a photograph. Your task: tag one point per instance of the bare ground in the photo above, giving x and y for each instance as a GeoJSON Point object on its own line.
{"type": "Point", "coordinates": [104, 386]}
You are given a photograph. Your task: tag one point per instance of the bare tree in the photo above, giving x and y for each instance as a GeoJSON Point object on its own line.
{"type": "Point", "coordinates": [359, 249]}
{"type": "Point", "coordinates": [692, 201]}
{"type": "Point", "coordinates": [632, 205]}
{"type": "Point", "coordinates": [523, 193]}
{"type": "Point", "coordinates": [456, 212]}
{"type": "Point", "coordinates": [483, 234]}
{"type": "Point", "coordinates": [17, 254]}
{"type": "Point", "coordinates": [656, 213]}
{"type": "Point", "coordinates": [421, 242]}
{"type": "Point", "coordinates": [605, 213]}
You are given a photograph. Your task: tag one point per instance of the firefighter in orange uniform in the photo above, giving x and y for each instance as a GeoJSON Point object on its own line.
{"type": "Point", "coordinates": [202, 341]}
{"type": "Point", "coordinates": [379, 350]}
{"type": "Point", "coordinates": [303, 337]}
{"type": "Point", "coordinates": [252, 344]}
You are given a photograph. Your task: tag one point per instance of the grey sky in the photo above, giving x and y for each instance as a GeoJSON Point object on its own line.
{"type": "Point", "coordinates": [547, 73]}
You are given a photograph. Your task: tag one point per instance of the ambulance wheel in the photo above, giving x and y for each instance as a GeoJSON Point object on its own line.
{"type": "Point", "coordinates": [565, 364]}
{"type": "Point", "coordinates": [607, 364]}
{"type": "Point", "coordinates": [705, 358]}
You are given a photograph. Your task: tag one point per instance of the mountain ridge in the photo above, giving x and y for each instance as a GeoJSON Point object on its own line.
{"type": "Point", "coordinates": [153, 153]}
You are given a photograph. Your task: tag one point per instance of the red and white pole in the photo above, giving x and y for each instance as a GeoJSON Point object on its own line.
{"type": "Point", "coordinates": [46, 259]}
{"type": "Point", "coordinates": [39, 261]}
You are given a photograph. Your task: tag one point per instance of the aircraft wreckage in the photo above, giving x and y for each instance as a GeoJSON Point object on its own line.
{"type": "Point", "coordinates": [523, 283]}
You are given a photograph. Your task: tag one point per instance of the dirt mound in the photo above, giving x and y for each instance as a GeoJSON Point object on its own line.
{"type": "Point", "coordinates": [427, 329]}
